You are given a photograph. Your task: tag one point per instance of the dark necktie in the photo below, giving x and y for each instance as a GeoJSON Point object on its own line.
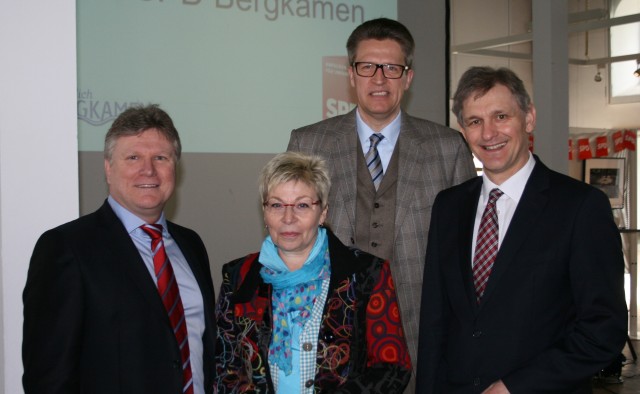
{"type": "Point", "coordinates": [168, 289]}
{"type": "Point", "coordinates": [486, 244]}
{"type": "Point", "coordinates": [373, 159]}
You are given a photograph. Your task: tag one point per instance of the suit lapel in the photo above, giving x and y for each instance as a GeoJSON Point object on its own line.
{"type": "Point", "coordinates": [467, 221]}
{"type": "Point", "coordinates": [124, 253]}
{"type": "Point", "coordinates": [409, 164]}
{"type": "Point", "coordinates": [529, 209]}
{"type": "Point", "coordinates": [195, 263]}
{"type": "Point", "coordinates": [343, 159]}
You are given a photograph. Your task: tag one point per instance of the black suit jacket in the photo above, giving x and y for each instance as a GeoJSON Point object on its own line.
{"type": "Point", "coordinates": [553, 313]}
{"type": "Point", "coordinates": [93, 320]}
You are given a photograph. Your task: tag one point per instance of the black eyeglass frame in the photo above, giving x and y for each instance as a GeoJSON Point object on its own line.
{"type": "Point", "coordinates": [382, 67]}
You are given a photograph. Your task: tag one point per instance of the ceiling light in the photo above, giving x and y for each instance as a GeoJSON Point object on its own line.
{"type": "Point", "coordinates": [598, 77]}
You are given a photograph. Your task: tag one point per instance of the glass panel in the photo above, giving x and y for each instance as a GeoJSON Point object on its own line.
{"type": "Point", "coordinates": [624, 40]}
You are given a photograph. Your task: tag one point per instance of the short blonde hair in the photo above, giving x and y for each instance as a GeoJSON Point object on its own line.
{"type": "Point", "coordinates": [294, 166]}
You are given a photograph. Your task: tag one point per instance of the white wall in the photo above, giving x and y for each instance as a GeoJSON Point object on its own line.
{"type": "Point", "coordinates": [38, 150]}
{"type": "Point", "coordinates": [589, 100]}
{"type": "Point", "coordinates": [474, 21]}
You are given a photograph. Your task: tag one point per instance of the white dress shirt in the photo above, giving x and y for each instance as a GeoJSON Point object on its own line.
{"type": "Point", "coordinates": [506, 204]}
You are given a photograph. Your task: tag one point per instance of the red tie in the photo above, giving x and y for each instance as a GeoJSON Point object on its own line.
{"type": "Point", "coordinates": [486, 244]}
{"type": "Point", "coordinates": [168, 289]}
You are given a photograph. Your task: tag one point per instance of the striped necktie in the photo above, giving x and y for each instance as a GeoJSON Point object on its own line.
{"type": "Point", "coordinates": [374, 164]}
{"type": "Point", "coordinates": [170, 294]}
{"type": "Point", "coordinates": [486, 244]}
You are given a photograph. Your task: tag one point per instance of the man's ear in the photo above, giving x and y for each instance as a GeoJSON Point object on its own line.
{"type": "Point", "coordinates": [530, 119]}
{"type": "Point", "coordinates": [107, 170]}
{"type": "Point", "coordinates": [409, 79]}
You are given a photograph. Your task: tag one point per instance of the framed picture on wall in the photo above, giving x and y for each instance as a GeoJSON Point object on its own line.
{"type": "Point", "coordinates": [607, 174]}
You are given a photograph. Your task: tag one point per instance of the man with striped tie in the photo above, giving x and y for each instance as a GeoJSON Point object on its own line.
{"type": "Point", "coordinates": [121, 300]}
{"type": "Point", "coordinates": [386, 166]}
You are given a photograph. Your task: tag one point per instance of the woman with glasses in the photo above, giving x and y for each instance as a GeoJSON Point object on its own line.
{"type": "Point", "coordinates": [307, 314]}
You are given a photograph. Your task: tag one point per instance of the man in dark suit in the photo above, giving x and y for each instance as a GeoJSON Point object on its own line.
{"type": "Point", "coordinates": [94, 317]}
{"type": "Point", "coordinates": [413, 161]}
{"type": "Point", "coordinates": [523, 285]}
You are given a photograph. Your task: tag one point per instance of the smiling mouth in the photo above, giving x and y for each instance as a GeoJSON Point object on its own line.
{"type": "Point", "coordinates": [148, 186]}
{"type": "Point", "coordinates": [494, 147]}
{"type": "Point", "coordinates": [379, 94]}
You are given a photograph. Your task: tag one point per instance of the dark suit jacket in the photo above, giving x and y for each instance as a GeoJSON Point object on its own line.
{"type": "Point", "coordinates": [93, 320]}
{"type": "Point", "coordinates": [553, 313]}
{"type": "Point", "coordinates": [431, 158]}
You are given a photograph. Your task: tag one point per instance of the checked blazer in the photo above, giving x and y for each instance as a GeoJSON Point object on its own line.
{"type": "Point", "coordinates": [431, 158]}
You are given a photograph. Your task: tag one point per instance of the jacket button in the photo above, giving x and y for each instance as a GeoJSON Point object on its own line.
{"type": "Point", "coordinates": [375, 225]}
{"type": "Point", "coordinates": [352, 241]}
{"type": "Point", "coordinates": [308, 383]}
{"type": "Point", "coordinates": [328, 337]}
{"type": "Point", "coordinates": [374, 244]}
{"type": "Point", "coordinates": [376, 205]}
{"type": "Point", "coordinates": [477, 334]}
{"type": "Point", "coordinates": [307, 347]}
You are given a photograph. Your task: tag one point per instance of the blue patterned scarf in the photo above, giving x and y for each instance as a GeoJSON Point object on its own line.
{"type": "Point", "coordinates": [292, 292]}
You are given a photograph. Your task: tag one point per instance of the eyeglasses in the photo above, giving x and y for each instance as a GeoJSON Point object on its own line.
{"type": "Point", "coordinates": [389, 71]}
{"type": "Point", "coordinates": [300, 208]}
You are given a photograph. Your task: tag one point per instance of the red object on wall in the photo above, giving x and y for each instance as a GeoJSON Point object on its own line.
{"type": "Point", "coordinates": [602, 146]}
{"type": "Point", "coordinates": [630, 140]}
{"type": "Point", "coordinates": [584, 149]}
{"type": "Point", "coordinates": [618, 141]}
{"type": "Point", "coordinates": [338, 97]}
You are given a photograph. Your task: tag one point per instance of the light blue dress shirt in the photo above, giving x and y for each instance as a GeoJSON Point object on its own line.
{"type": "Point", "coordinates": [385, 147]}
{"type": "Point", "coordinates": [187, 285]}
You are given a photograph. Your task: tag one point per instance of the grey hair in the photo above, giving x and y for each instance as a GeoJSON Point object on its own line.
{"type": "Point", "coordinates": [477, 81]}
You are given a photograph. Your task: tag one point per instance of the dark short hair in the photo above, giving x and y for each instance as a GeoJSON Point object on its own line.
{"type": "Point", "coordinates": [137, 119]}
{"type": "Point", "coordinates": [294, 166]}
{"type": "Point", "coordinates": [382, 29]}
{"type": "Point", "coordinates": [477, 81]}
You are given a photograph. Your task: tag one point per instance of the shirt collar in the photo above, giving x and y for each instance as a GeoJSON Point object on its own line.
{"type": "Point", "coordinates": [130, 221]}
{"type": "Point", "coordinates": [512, 187]}
{"type": "Point", "coordinates": [390, 131]}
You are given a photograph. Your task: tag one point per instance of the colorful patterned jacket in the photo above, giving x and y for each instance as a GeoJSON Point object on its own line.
{"type": "Point", "coordinates": [361, 344]}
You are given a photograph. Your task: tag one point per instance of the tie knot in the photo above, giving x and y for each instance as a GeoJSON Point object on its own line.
{"type": "Point", "coordinates": [375, 139]}
{"type": "Point", "coordinates": [153, 230]}
{"type": "Point", "coordinates": [494, 195]}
